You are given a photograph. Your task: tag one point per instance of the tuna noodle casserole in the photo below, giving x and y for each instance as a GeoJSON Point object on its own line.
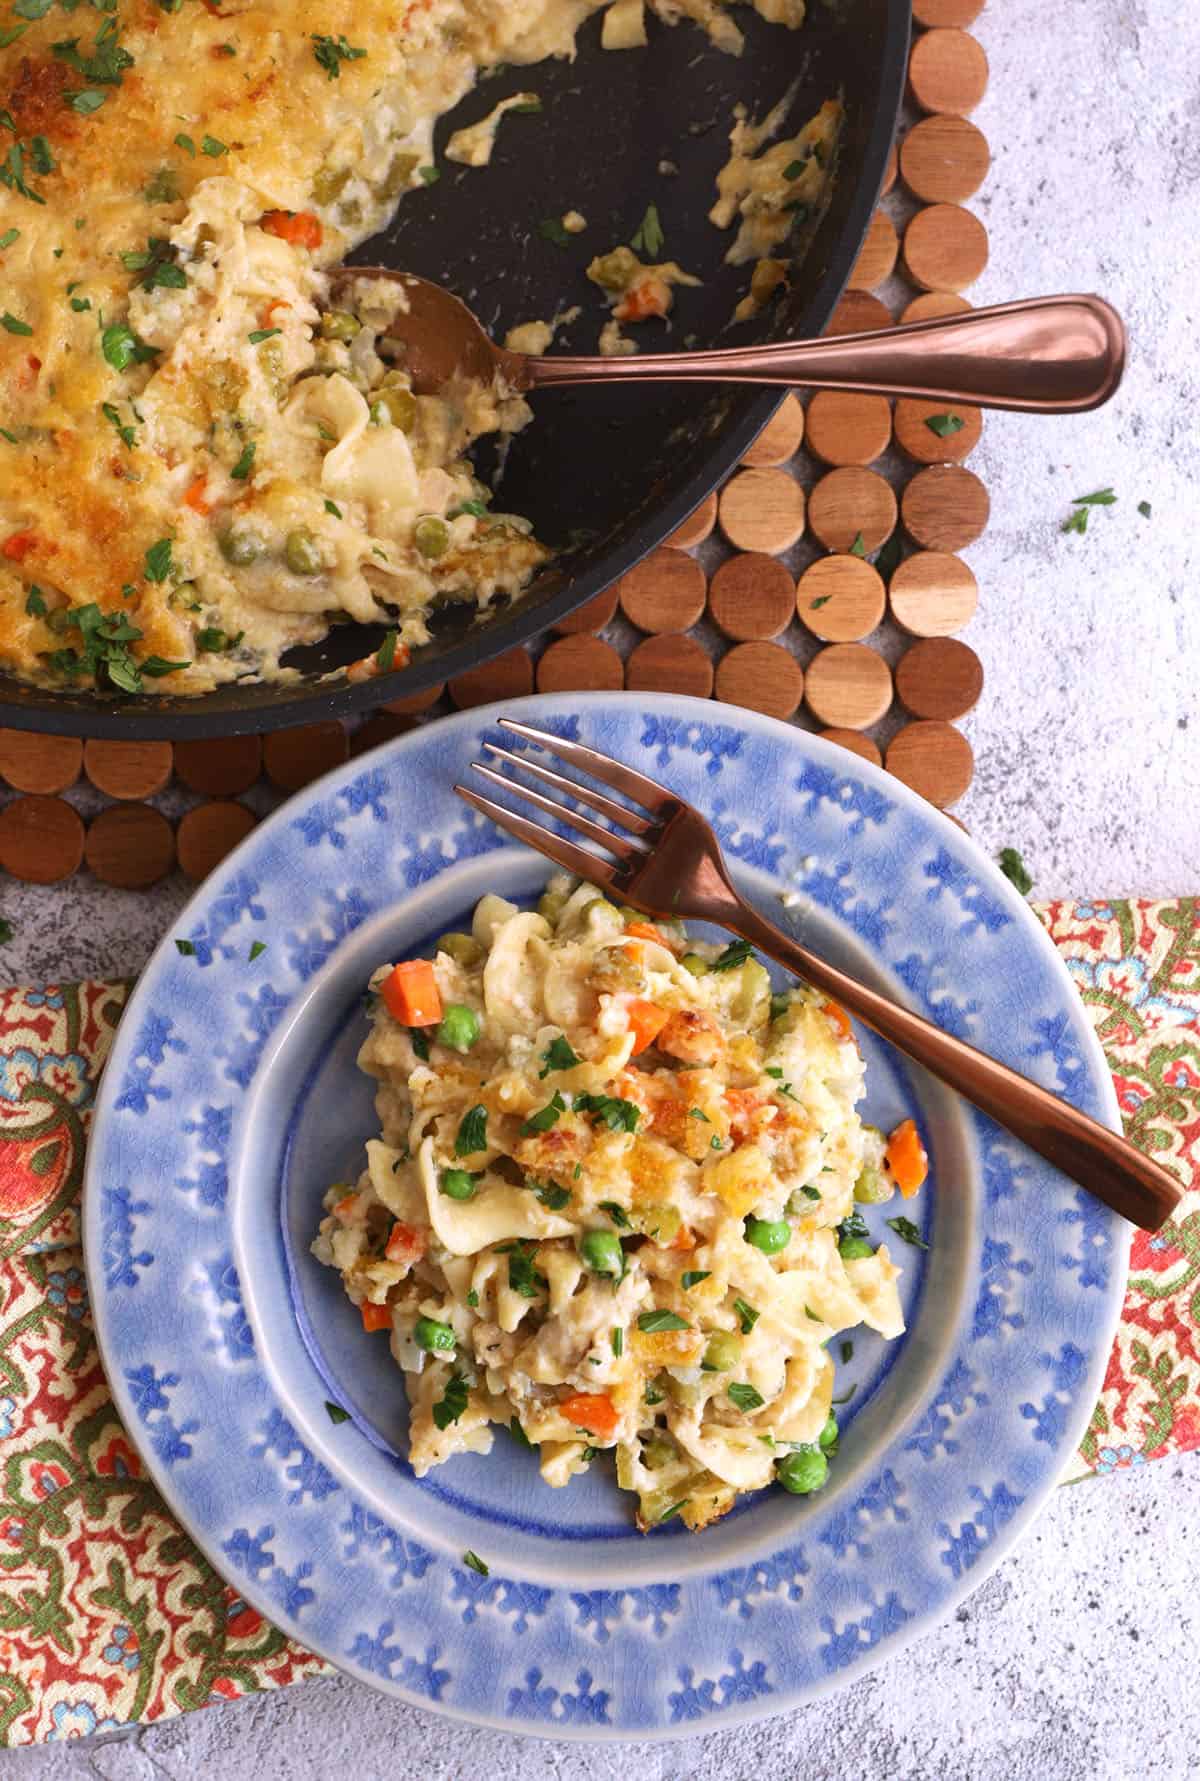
{"type": "Point", "coordinates": [199, 468]}
{"type": "Point", "coordinates": [615, 1203]}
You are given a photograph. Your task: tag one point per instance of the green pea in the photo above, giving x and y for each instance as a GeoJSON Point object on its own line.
{"type": "Point", "coordinates": [240, 547]}
{"type": "Point", "coordinates": [603, 1253]}
{"type": "Point", "coordinates": [723, 1353]}
{"type": "Point", "coordinates": [828, 1436]}
{"type": "Point", "coordinates": [872, 1186]}
{"type": "Point", "coordinates": [464, 950]}
{"type": "Point", "coordinates": [302, 553]}
{"type": "Point", "coordinates": [400, 404]}
{"type": "Point", "coordinates": [457, 1184]}
{"type": "Point", "coordinates": [803, 1471]}
{"type": "Point", "coordinates": [431, 536]}
{"type": "Point", "coordinates": [699, 967]}
{"type": "Point", "coordinates": [853, 1249]}
{"type": "Point", "coordinates": [432, 1336]}
{"type": "Point", "coordinates": [459, 1027]}
{"type": "Point", "coordinates": [339, 324]}
{"type": "Point", "coordinates": [768, 1234]}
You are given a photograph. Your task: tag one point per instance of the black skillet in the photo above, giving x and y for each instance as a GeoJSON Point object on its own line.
{"type": "Point", "coordinates": [606, 473]}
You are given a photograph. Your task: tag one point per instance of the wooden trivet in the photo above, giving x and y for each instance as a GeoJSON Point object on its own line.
{"type": "Point", "coordinates": [766, 596]}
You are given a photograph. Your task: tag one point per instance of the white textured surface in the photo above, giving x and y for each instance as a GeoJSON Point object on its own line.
{"type": "Point", "coordinates": [1077, 1657]}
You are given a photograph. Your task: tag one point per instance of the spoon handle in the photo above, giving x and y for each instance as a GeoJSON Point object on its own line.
{"type": "Point", "coordinates": [1049, 355]}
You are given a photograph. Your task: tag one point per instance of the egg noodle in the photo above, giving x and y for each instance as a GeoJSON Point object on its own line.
{"type": "Point", "coordinates": [614, 1203]}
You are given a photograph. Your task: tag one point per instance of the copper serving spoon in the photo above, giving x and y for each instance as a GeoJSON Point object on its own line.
{"type": "Point", "coordinates": [1049, 355]}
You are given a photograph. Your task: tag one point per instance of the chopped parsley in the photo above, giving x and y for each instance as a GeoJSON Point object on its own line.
{"type": "Point", "coordinates": [209, 145]}
{"type": "Point", "coordinates": [1145, 509]}
{"type": "Point", "coordinates": [472, 1560]}
{"type": "Point", "coordinates": [694, 1276]}
{"type": "Point", "coordinates": [185, 143]}
{"type": "Point", "coordinates": [518, 1433]}
{"type": "Point", "coordinates": [335, 1412]}
{"type": "Point", "coordinates": [853, 1226]}
{"type": "Point", "coordinates": [794, 169]}
{"type": "Point", "coordinates": [8, 237]}
{"type": "Point", "coordinates": [158, 560]}
{"type": "Point", "coordinates": [89, 100]}
{"type": "Point", "coordinates": [35, 605]}
{"type": "Point", "coordinates": [1078, 522]}
{"type": "Point", "coordinates": [648, 237]}
{"type": "Point", "coordinates": [673, 1510]}
{"type": "Point", "coordinates": [13, 324]}
{"type": "Point", "coordinates": [1100, 498]}
{"type": "Point", "coordinates": [652, 1395]}
{"type": "Point", "coordinates": [558, 1055]}
{"type": "Point", "coordinates": [185, 948]}
{"type": "Point", "coordinates": [245, 463]}
{"type": "Point", "coordinates": [550, 229]}
{"type": "Point", "coordinates": [473, 1299]}
{"type": "Point", "coordinates": [610, 1110]}
{"type": "Point", "coordinates": [859, 547]}
{"type": "Point", "coordinates": [809, 1192]}
{"type": "Point", "coordinates": [332, 507]}
{"type": "Point", "coordinates": [449, 1408]}
{"type": "Point", "coordinates": [122, 347]}
{"type": "Point", "coordinates": [258, 947]}
{"type": "Point", "coordinates": [746, 1398]}
{"type": "Point", "coordinates": [695, 1113]}
{"type": "Point", "coordinates": [523, 1277]}
{"type": "Point", "coordinates": [257, 335]}
{"type": "Point", "coordinates": [747, 1315]}
{"type": "Point", "coordinates": [846, 1350]}
{"type": "Point", "coordinates": [1015, 869]}
{"type": "Point", "coordinates": [385, 655]}
{"type": "Point", "coordinates": [617, 1213]}
{"type": "Point", "coordinates": [736, 953]}
{"type": "Point", "coordinates": [6, 930]}
{"type": "Point", "coordinates": [545, 1117]}
{"type": "Point", "coordinates": [618, 1343]}
{"type": "Point", "coordinates": [472, 1132]}
{"type": "Point", "coordinates": [907, 1231]}
{"type": "Point", "coordinates": [125, 433]}
{"type": "Point", "coordinates": [821, 600]}
{"type": "Point", "coordinates": [651, 1322]}
{"type": "Point", "coordinates": [945, 425]}
{"type": "Point", "coordinates": [331, 52]}
{"type": "Point", "coordinates": [430, 175]}
{"type": "Point", "coordinates": [420, 1043]}
{"type": "Point", "coordinates": [550, 1195]}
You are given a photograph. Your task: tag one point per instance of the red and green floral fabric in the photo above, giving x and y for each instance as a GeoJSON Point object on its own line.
{"type": "Point", "coordinates": [109, 1614]}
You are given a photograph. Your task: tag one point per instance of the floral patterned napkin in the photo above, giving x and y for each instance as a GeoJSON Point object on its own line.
{"type": "Point", "coordinates": [109, 1614]}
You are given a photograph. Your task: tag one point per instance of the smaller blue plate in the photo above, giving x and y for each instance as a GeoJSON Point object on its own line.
{"type": "Point", "coordinates": [232, 1099]}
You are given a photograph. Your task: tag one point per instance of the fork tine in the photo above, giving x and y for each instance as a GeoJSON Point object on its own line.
{"type": "Point", "coordinates": [646, 792]}
{"type": "Point", "coordinates": [618, 813]}
{"type": "Point", "coordinates": [624, 850]}
{"type": "Point", "coordinates": [564, 853]}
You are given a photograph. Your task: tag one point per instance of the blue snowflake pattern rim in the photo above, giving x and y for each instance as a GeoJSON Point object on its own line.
{"type": "Point", "coordinates": [231, 1099]}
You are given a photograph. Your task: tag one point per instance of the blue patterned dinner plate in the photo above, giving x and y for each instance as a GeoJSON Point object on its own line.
{"type": "Point", "coordinates": [231, 1100]}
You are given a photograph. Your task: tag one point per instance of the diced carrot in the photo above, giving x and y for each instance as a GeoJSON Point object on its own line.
{"type": "Point", "coordinates": [17, 546]}
{"type": "Point", "coordinates": [840, 1019]}
{"type": "Point", "coordinates": [591, 1411]}
{"type": "Point", "coordinates": [644, 930]}
{"type": "Point", "coordinates": [650, 296]}
{"type": "Point", "coordinates": [375, 1317]}
{"type": "Point", "coordinates": [405, 1243]}
{"type": "Point", "coordinates": [411, 994]}
{"type": "Point", "coordinates": [194, 496]}
{"type": "Point", "coordinates": [906, 1158]}
{"type": "Point", "coordinates": [345, 1206]}
{"type": "Point", "coordinates": [646, 1021]}
{"type": "Point", "coordinates": [300, 228]}
{"type": "Point", "coordinates": [267, 316]}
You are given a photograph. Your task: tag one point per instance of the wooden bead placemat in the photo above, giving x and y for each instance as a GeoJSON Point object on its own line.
{"type": "Point", "coordinates": [823, 584]}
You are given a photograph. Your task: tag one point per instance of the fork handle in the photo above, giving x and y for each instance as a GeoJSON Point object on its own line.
{"type": "Point", "coordinates": [1107, 1164]}
{"type": "Point", "coordinates": [1049, 355]}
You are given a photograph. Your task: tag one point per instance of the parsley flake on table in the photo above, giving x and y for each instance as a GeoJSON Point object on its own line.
{"type": "Point", "coordinates": [1100, 498]}
{"type": "Point", "coordinates": [258, 947]}
{"type": "Point", "coordinates": [430, 175]}
{"type": "Point", "coordinates": [185, 948]}
{"type": "Point", "coordinates": [846, 1350]}
{"type": "Point", "coordinates": [859, 547]}
{"type": "Point", "coordinates": [6, 930]}
{"type": "Point", "coordinates": [945, 425]}
{"type": "Point", "coordinates": [335, 1412]}
{"type": "Point", "coordinates": [551, 229]}
{"type": "Point", "coordinates": [473, 1562]}
{"type": "Point", "coordinates": [1145, 509]}
{"type": "Point", "coordinates": [648, 237]}
{"type": "Point", "coordinates": [1015, 869]}
{"type": "Point", "coordinates": [331, 52]}
{"type": "Point", "coordinates": [907, 1231]}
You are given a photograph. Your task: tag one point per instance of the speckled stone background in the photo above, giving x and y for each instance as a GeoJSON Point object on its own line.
{"type": "Point", "coordinates": [1077, 1657]}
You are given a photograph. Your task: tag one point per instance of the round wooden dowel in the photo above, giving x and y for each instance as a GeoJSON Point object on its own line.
{"type": "Point", "coordinates": [219, 766]}
{"type": "Point", "coordinates": [130, 846]}
{"type": "Point", "coordinates": [934, 759]}
{"type": "Point", "coordinates": [937, 432]}
{"type": "Point", "coordinates": [208, 833]}
{"type": "Point", "coordinates": [840, 599]}
{"type": "Point", "coordinates": [931, 306]}
{"type": "Point", "coordinates": [848, 686]}
{"type": "Point", "coordinates": [933, 594]}
{"type": "Point", "coordinates": [509, 676]}
{"type": "Point", "coordinates": [877, 257]}
{"type": "Point", "coordinates": [945, 248]}
{"type": "Point", "coordinates": [780, 439]}
{"type": "Point", "coordinates": [415, 702]}
{"type": "Point", "coordinates": [581, 665]}
{"type": "Point", "coordinates": [127, 769]}
{"type": "Point", "coordinates": [761, 676]}
{"type": "Point", "coordinates": [381, 726]}
{"type": "Point", "coordinates": [857, 743]}
{"type": "Point", "coordinates": [751, 596]}
{"type": "Point", "coordinates": [945, 508]}
{"type": "Point", "coordinates": [34, 763]}
{"type": "Point", "coordinates": [945, 160]}
{"type": "Point", "coordinates": [858, 312]}
{"type": "Point", "coordinates": [294, 758]}
{"type": "Point", "coordinates": [666, 591]}
{"type": "Point", "coordinates": [956, 14]}
{"type": "Point", "coordinates": [41, 839]}
{"type": "Point", "coordinates": [845, 427]}
{"type": "Point", "coordinates": [697, 527]}
{"type": "Point", "coordinates": [762, 510]}
{"type": "Point", "coordinates": [948, 71]}
{"type": "Point", "coordinates": [673, 664]}
{"type": "Point", "coordinates": [939, 677]}
{"type": "Point", "coordinates": [593, 616]}
{"type": "Point", "coordinates": [852, 504]}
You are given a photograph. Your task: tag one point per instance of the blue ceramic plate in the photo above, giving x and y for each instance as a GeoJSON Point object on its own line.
{"type": "Point", "coordinates": [232, 1099]}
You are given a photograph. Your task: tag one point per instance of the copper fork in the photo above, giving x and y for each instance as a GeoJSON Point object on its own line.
{"type": "Point", "coordinates": [666, 860]}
